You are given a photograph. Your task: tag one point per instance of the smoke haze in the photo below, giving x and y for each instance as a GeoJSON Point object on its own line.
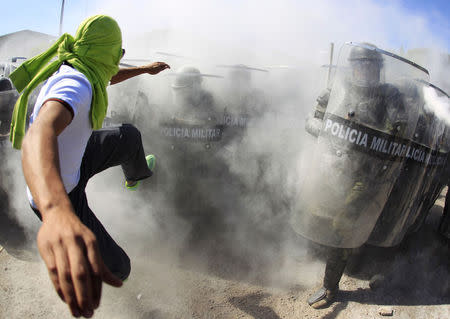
{"type": "Point", "coordinates": [250, 238]}
{"type": "Point", "coordinates": [439, 105]}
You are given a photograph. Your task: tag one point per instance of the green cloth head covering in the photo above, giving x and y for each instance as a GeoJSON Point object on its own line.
{"type": "Point", "coordinates": [95, 51]}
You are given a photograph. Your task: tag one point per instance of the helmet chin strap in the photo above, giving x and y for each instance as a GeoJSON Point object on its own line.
{"type": "Point", "coordinates": [365, 83]}
{"type": "Point", "coordinates": [366, 80]}
{"type": "Point", "coordinates": [364, 91]}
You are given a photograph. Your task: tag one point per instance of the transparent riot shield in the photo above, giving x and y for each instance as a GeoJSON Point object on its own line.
{"type": "Point", "coordinates": [362, 147]}
{"type": "Point", "coordinates": [7, 100]}
{"type": "Point", "coordinates": [415, 189]}
{"type": "Point", "coordinates": [437, 178]}
{"type": "Point", "coordinates": [190, 137]}
{"type": "Point", "coordinates": [444, 224]}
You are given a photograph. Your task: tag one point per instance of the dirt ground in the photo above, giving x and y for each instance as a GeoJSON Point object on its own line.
{"type": "Point", "coordinates": [415, 285]}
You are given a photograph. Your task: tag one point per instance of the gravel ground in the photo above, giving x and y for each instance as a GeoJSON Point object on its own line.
{"type": "Point", "coordinates": [168, 285]}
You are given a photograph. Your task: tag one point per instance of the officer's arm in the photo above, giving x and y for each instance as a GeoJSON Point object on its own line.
{"type": "Point", "coordinates": [314, 121]}
{"type": "Point", "coordinates": [127, 73]}
{"type": "Point", "coordinates": [397, 112]}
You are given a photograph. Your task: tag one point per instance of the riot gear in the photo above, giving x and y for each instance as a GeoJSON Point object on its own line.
{"type": "Point", "coordinates": [8, 96]}
{"type": "Point", "coordinates": [6, 69]}
{"type": "Point", "coordinates": [242, 98]}
{"type": "Point", "coordinates": [5, 84]}
{"type": "Point", "coordinates": [419, 183]}
{"type": "Point", "coordinates": [444, 224]}
{"type": "Point", "coordinates": [187, 77]}
{"type": "Point", "coordinates": [313, 123]}
{"type": "Point", "coordinates": [12, 234]}
{"type": "Point", "coordinates": [366, 63]}
{"type": "Point", "coordinates": [189, 97]}
{"type": "Point", "coordinates": [186, 87]}
{"type": "Point", "coordinates": [363, 143]}
{"type": "Point", "coordinates": [195, 118]}
{"type": "Point", "coordinates": [241, 79]}
{"type": "Point", "coordinates": [336, 262]}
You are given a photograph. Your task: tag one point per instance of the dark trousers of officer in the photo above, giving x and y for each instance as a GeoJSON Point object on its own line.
{"type": "Point", "coordinates": [444, 224]}
{"type": "Point", "coordinates": [336, 261]}
{"type": "Point", "coordinates": [12, 234]}
{"type": "Point", "coordinates": [106, 148]}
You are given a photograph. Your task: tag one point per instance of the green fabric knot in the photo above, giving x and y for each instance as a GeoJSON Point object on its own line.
{"type": "Point", "coordinates": [95, 51]}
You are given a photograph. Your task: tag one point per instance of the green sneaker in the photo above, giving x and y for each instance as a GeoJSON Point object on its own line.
{"type": "Point", "coordinates": [132, 186]}
{"type": "Point", "coordinates": [151, 163]}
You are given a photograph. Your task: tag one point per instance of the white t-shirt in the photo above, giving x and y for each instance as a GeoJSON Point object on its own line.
{"type": "Point", "coordinates": [72, 87]}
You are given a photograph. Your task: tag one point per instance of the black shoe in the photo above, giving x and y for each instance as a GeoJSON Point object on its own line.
{"type": "Point", "coordinates": [322, 298]}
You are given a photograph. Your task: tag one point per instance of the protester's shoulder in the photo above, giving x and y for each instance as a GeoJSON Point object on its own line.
{"type": "Point", "coordinates": [72, 79]}
{"type": "Point", "coordinates": [70, 86]}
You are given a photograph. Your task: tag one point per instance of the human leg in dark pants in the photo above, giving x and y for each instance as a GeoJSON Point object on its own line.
{"type": "Point", "coordinates": [336, 261]}
{"type": "Point", "coordinates": [114, 146]}
{"type": "Point", "coordinates": [444, 224]}
{"type": "Point", "coordinates": [107, 148]}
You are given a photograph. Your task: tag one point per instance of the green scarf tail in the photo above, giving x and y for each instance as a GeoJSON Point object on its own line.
{"type": "Point", "coordinates": [95, 51]}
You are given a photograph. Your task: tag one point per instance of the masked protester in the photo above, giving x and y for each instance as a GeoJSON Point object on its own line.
{"type": "Point", "coordinates": [65, 146]}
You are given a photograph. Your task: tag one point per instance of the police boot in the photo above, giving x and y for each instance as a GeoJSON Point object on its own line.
{"type": "Point", "coordinates": [322, 298]}
{"type": "Point", "coordinates": [336, 262]}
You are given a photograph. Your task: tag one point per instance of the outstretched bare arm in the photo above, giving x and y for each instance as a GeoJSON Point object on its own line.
{"type": "Point", "coordinates": [127, 73]}
{"type": "Point", "coordinates": [68, 248]}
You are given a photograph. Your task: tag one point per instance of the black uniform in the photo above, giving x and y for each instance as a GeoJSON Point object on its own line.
{"type": "Point", "coordinates": [12, 234]}
{"type": "Point", "coordinates": [376, 106]}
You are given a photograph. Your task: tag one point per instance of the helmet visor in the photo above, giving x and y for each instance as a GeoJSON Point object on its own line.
{"type": "Point", "coordinates": [365, 72]}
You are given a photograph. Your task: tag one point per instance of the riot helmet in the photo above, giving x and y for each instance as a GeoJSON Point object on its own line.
{"type": "Point", "coordinates": [6, 69]}
{"type": "Point", "coordinates": [7, 99]}
{"type": "Point", "coordinates": [366, 63]}
{"type": "Point", "coordinates": [241, 77]}
{"type": "Point", "coordinates": [187, 77]}
{"type": "Point", "coordinates": [5, 84]}
{"type": "Point", "coordinates": [186, 86]}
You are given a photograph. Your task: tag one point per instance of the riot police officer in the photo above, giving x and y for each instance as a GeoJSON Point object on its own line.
{"type": "Point", "coordinates": [379, 107]}
{"type": "Point", "coordinates": [444, 223]}
{"type": "Point", "coordinates": [242, 97]}
{"type": "Point", "coordinates": [191, 137]}
{"type": "Point", "coordinates": [8, 97]}
{"type": "Point", "coordinates": [189, 96]}
{"type": "Point", "coordinates": [12, 234]}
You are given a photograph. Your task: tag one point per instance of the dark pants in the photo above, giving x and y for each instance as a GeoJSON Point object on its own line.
{"type": "Point", "coordinates": [106, 148]}
{"type": "Point", "coordinates": [444, 224]}
{"type": "Point", "coordinates": [336, 261]}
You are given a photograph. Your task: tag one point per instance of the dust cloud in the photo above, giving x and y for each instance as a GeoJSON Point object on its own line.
{"type": "Point", "coordinates": [241, 230]}
{"type": "Point", "coordinates": [437, 103]}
